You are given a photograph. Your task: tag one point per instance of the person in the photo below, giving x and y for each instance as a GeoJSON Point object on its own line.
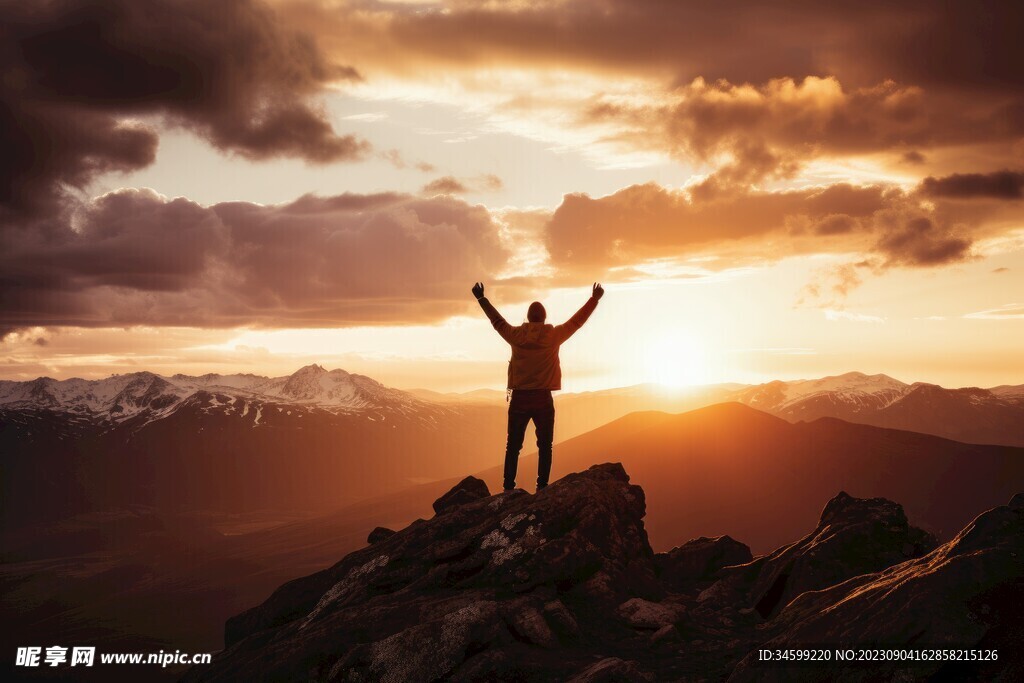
{"type": "Point", "coordinates": [533, 373]}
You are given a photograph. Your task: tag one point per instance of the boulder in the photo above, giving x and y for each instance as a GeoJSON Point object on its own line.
{"type": "Point", "coordinates": [466, 491]}
{"type": "Point", "coordinates": [379, 534]}
{"type": "Point", "coordinates": [701, 558]}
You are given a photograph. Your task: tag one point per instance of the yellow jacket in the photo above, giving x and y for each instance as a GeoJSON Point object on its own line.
{"type": "Point", "coordinates": [534, 363]}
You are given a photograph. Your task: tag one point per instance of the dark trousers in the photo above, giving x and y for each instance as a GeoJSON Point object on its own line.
{"type": "Point", "coordinates": [529, 405]}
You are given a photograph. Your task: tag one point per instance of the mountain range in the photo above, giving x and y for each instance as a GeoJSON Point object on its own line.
{"type": "Point", "coordinates": [320, 439]}
{"type": "Point", "coordinates": [972, 415]}
{"type": "Point", "coordinates": [313, 440]}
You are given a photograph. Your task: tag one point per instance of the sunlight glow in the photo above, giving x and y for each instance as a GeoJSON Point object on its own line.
{"type": "Point", "coordinates": [676, 358]}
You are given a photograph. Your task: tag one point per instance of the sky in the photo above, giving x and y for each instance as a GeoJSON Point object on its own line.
{"type": "Point", "coordinates": [766, 192]}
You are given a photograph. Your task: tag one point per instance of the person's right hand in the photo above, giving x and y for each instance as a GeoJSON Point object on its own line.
{"type": "Point", "coordinates": [478, 290]}
{"type": "Point", "coordinates": [598, 291]}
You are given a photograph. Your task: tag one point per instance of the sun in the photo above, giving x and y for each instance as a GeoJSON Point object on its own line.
{"type": "Point", "coordinates": [675, 358]}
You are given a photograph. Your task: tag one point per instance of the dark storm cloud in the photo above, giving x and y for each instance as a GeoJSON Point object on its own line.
{"type": "Point", "coordinates": [864, 43]}
{"type": "Point", "coordinates": [998, 185]}
{"type": "Point", "coordinates": [134, 257]}
{"type": "Point", "coordinates": [76, 71]}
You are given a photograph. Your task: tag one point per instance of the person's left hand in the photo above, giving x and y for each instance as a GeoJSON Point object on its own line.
{"type": "Point", "coordinates": [478, 290]}
{"type": "Point", "coordinates": [598, 291]}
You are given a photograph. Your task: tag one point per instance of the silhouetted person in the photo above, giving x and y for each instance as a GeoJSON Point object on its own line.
{"type": "Point", "coordinates": [533, 373]}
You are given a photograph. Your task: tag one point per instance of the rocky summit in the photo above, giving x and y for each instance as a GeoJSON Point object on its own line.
{"type": "Point", "coordinates": [563, 585]}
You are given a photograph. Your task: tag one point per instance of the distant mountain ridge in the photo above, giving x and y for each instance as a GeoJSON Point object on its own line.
{"type": "Point", "coordinates": [972, 415]}
{"type": "Point", "coordinates": [314, 439]}
{"type": "Point", "coordinates": [319, 439]}
{"type": "Point", "coordinates": [120, 397]}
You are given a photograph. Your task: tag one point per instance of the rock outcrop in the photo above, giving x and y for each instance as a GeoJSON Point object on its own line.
{"type": "Point", "coordinates": [701, 558]}
{"type": "Point", "coordinates": [563, 585]}
{"type": "Point", "coordinates": [463, 593]}
{"type": "Point", "coordinates": [854, 536]}
{"type": "Point", "coordinates": [379, 534]}
{"type": "Point", "coordinates": [466, 491]}
{"type": "Point", "coordinates": [964, 594]}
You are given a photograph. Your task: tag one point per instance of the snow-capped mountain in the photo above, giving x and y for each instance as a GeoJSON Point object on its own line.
{"type": "Point", "coordinates": [121, 397]}
{"type": "Point", "coordinates": [314, 439]}
{"type": "Point", "coordinates": [853, 391]}
{"type": "Point", "coordinates": [118, 396]}
{"type": "Point", "coordinates": [973, 415]}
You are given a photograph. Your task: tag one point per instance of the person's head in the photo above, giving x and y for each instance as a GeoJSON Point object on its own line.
{"type": "Point", "coordinates": [536, 314]}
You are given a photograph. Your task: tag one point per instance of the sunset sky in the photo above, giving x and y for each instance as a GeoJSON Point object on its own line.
{"type": "Point", "coordinates": [766, 190]}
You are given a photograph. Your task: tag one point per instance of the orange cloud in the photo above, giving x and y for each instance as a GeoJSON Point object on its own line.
{"type": "Point", "coordinates": [887, 226]}
{"type": "Point", "coordinates": [452, 185]}
{"type": "Point", "coordinates": [769, 89]}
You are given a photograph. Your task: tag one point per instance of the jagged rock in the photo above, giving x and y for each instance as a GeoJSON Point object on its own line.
{"type": "Point", "coordinates": [466, 491]}
{"type": "Point", "coordinates": [510, 568]}
{"type": "Point", "coordinates": [563, 587]}
{"type": "Point", "coordinates": [701, 558]}
{"type": "Point", "coordinates": [854, 536]}
{"type": "Point", "coordinates": [379, 534]}
{"type": "Point", "coordinates": [966, 593]}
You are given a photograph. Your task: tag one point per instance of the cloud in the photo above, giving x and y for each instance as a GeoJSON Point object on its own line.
{"type": "Point", "coordinates": [920, 242]}
{"type": "Point", "coordinates": [445, 185]}
{"type": "Point", "coordinates": [1006, 312]}
{"type": "Point", "coordinates": [727, 82]}
{"type": "Point", "coordinates": [769, 129]}
{"type": "Point", "coordinates": [867, 42]}
{"type": "Point", "coordinates": [998, 185]}
{"type": "Point", "coordinates": [649, 222]}
{"type": "Point", "coordinates": [452, 185]}
{"type": "Point", "coordinates": [134, 257]}
{"type": "Point", "coordinates": [847, 316]}
{"type": "Point", "coordinates": [396, 159]}
{"type": "Point", "coordinates": [80, 75]}
{"type": "Point", "coordinates": [830, 285]}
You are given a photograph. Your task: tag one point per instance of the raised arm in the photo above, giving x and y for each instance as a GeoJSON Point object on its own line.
{"type": "Point", "coordinates": [569, 327]}
{"type": "Point", "coordinates": [499, 323]}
